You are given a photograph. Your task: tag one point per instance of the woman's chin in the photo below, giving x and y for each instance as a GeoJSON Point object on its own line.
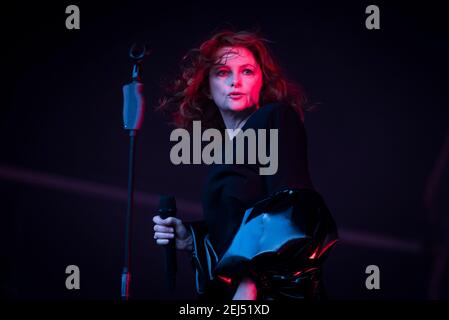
{"type": "Point", "coordinates": [238, 107]}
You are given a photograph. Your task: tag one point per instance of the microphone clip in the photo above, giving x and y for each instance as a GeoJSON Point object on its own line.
{"type": "Point", "coordinates": [137, 53]}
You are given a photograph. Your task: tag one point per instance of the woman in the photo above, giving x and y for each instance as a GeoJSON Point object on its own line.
{"type": "Point", "coordinates": [264, 236]}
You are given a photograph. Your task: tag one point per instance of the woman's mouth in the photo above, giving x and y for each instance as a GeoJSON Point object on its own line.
{"type": "Point", "coordinates": [235, 95]}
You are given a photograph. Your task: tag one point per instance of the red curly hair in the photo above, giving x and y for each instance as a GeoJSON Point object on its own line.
{"type": "Point", "coordinates": [188, 97]}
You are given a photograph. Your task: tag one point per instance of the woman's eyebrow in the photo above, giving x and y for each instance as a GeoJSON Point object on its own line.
{"type": "Point", "coordinates": [246, 65]}
{"type": "Point", "coordinates": [220, 66]}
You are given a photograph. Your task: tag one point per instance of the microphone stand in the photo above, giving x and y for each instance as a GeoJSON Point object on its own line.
{"type": "Point", "coordinates": [133, 111]}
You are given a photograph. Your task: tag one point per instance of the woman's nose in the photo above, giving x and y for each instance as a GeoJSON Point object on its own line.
{"type": "Point", "coordinates": [235, 81]}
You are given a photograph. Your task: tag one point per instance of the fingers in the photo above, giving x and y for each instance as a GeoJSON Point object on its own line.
{"type": "Point", "coordinates": [163, 235]}
{"type": "Point", "coordinates": [159, 228]}
{"type": "Point", "coordinates": [170, 221]}
{"type": "Point", "coordinates": [163, 230]}
{"type": "Point", "coordinates": [163, 238]}
{"type": "Point", "coordinates": [162, 242]}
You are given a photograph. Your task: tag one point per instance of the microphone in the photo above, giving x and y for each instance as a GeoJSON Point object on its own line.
{"type": "Point", "coordinates": [167, 208]}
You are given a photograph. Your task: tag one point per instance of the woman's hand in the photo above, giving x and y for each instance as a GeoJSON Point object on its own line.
{"type": "Point", "coordinates": [247, 290]}
{"type": "Point", "coordinates": [169, 228]}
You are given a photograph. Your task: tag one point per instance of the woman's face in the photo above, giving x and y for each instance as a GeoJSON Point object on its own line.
{"type": "Point", "coordinates": [235, 80]}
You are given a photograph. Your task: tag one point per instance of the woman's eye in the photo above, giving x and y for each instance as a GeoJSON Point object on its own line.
{"type": "Point", "coordinates": [248, 71]}
{"type": "Point", "coordinates": [222, 73]}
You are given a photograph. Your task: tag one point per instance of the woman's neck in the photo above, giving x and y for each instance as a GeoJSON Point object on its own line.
{"type": "Point", "coordinates": [236, 120]}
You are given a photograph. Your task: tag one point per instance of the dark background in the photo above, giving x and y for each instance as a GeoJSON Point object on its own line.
{"type": "Point", "coordinates": [374, 141]}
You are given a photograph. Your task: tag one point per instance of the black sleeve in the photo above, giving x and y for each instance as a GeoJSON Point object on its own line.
{"type": "Point", "coordinates": [198, 230]}
{"type": "Point", "coordinates": [201, 254]}
{"type": "Point", "coordinates": [292, 171]}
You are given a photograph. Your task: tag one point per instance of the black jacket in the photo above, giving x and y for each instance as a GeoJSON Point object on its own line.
{"type": "Point", "coordinates": [237, 201]}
